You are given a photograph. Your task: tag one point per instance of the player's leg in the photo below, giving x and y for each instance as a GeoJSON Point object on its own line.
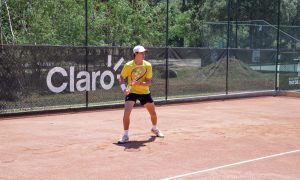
{"type": "Point", "coordinates": [148, 103]}
{"type": "Point", "coordinates": [129, 103]}
{"type": "Point", "coordinates": [127, 111]}
{"type": "Point", "coordinates": [151, 109]}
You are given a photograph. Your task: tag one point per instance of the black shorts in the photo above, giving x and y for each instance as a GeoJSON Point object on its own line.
{"type": "Point", "coordinates": [143, 98]}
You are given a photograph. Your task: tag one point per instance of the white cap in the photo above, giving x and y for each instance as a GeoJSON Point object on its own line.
{"type": "Point", "coordinates": [139, 48]}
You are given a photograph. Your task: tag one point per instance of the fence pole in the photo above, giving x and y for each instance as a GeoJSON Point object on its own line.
{"type": "Point", "coordinates": [227, 44]}
{"type": "Point", "coordinates": [167, 53]}
{"type": "Point", "coordinates": [237, 13]}
{"type": "Point", "coordinates": [278, 51]}
{"type": "Point", "coordinates": [86, 50]}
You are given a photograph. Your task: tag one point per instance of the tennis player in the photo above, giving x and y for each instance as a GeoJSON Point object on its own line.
{"type": "Point", "coordinates": [139, 90]}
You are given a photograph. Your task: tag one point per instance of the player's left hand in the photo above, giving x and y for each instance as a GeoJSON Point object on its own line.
{"type": "Point", "coordinates": [134, 83]}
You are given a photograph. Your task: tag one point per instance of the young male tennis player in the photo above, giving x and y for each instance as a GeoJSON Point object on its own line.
{"type": "Point", "coordinates": [139, 75]}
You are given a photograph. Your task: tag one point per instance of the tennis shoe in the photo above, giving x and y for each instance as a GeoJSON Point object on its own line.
{"type": "Point", "coordinates": [158, 133]}
{"type": "Point", "coordinates": [123, 140]}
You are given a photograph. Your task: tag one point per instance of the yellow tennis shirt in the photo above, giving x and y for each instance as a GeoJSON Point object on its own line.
{"type": "Point", "coordinates": [126, 73]}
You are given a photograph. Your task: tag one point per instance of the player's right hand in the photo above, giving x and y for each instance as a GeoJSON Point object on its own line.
{"type": "Point", "coordinates": [126, 92]}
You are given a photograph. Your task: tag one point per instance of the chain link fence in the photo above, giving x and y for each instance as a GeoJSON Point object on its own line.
{"type": "Point", "coordinates": [56, 77]}
{"type": "Point", "coordinates": [69, 54]}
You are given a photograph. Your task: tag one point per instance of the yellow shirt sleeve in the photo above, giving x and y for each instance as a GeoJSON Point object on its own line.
{"type": "Point", "coordinates": [149, 71]}
{"type": "Point", "coordinates": [125, 71]}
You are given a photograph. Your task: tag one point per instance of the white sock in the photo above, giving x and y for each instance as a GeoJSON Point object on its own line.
{"type": "Point", "coordinates": [126, 132]}
{"type": "Point", "coordinates": [154, 127]}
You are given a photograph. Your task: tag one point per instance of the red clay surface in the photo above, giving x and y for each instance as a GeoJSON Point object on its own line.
{"type": "Point", "coordinates": [199, 136]}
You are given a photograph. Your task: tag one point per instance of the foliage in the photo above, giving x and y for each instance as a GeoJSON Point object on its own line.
{"type": "Point", "coordinates": [45, 22]}
{"type": "Point", "coordinates": [123, 23]}
{"type": "Point", "coordinates": [130, 22]}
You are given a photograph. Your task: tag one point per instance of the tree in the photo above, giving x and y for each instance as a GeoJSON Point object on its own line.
{"type": "Point", "coordinates": [45, 22]}
{"type": "Point", "coordinates": [130, 22]}
{"type": "Point", "coordinates": [125, 23]}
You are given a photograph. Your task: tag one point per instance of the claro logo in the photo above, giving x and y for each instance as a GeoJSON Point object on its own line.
{"type": "Point", "coordinates": [83, 80]}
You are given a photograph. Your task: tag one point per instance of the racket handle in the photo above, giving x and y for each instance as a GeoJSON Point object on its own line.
{"type": "Point", "coordinates": [128, 88]}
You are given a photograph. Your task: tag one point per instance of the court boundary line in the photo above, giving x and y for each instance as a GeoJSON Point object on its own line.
{"type": "Point", "coordinates": [232, 164]}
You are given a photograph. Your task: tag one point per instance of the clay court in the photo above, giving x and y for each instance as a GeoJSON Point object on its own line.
{"type": "Point", "coordinates": [247, 138]}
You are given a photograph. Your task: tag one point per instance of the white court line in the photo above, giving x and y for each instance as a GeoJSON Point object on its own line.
{"type": "Point", "coordinates": [233, 164]}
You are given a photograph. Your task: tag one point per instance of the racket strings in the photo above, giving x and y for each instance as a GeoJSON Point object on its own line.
{"type": "Point", "coordinates": [138, 73]}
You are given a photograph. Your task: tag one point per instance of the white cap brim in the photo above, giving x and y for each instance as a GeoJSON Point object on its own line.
{"type": "Point", "coordinates": [139, 49]}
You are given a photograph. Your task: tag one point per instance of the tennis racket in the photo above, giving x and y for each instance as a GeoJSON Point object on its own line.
{"type": "Point", "coordinates": [136, 74]}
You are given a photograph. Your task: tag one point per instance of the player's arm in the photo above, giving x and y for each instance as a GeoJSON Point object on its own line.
{"type": "Point", "coordinates": [121, 80]}
{"type": "Point", "coordinates": [123, 86]}
{"type": "Point", "coordinates": [147, 82]}
{"type": "Point", "coordinates": [123, 76]}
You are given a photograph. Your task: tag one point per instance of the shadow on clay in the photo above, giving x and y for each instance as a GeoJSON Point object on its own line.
{"type": "Point", "coordinates": [135, 145]}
